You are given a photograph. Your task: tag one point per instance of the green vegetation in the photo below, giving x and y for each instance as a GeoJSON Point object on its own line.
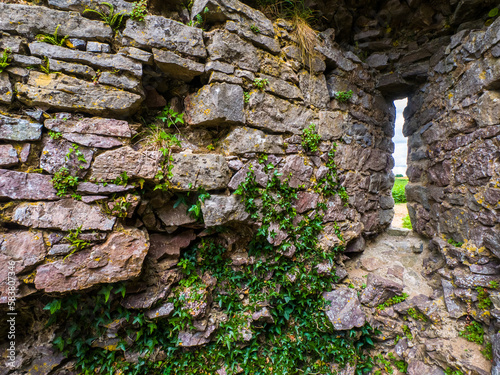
{"type": "Point", "coordinates": [283, 277]}
{"type": "Point", "coordinates": [329, 185]}
{"type": "Point", "coordinates": [398, 190]}
{"type": "Point", "coordinates": [387, 363]}
{"type": "Point", "coordinates": [55, 135]}
{"type": "Point", "coordinates": [343, 96]}
{"type": "Point", "coordinates": [157, 138]}
{"type": "Point", "coordinates": [450, 371]}
{"type": "Point", "coordinates": [4, 59]}
{"type": "Point", "coordinates": [246, 96]}
{"type": "Point", "coordinates": [483, 298]}
{"type": "Point", "coordinates": [493, 284]}
{"type": "Point", "coordinates": [122, 179]}
{"type": "Point", "coordinates": [260, 83]}
{"type": "Point", "coordinates": [45, 66]}
{"type": "Point", "coordinates": [392, 301]}
{"type": "Point", "coordinates": [140, 10]}
{"type": "Point", "coordinates": [52, 39]}
{"type": "Point", "coordinates": [198, 20]}
{"type": "Point", "coordinates": [64, 182]}
{"type": "Point", "coordinates": [451, 241]}
{"type": "Point", "coordinates": [407, 332]}
{"type": "Point", "coordinates": [75, 150]}
{"type": "Point", "coordinates": [310, 138]}
{"type": "Point", "coordinates": [75, 243]}
{"type": "Point", "coordinates": [473, 332]}
{"type": "Point", "coordinates": [407, 222]}
{"type": "Point", "coordinates": [492, 15]}
{"type": "Point", "coordinates": [487, 352]}
{"type": "Point", "coordinates": [109, 17]}
{"type": "Point", "coordinates": [254, 29]}
{"type": "Point", "coordinates": [417, 315]}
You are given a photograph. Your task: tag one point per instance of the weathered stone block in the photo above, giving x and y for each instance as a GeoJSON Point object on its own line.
{"type": "Point", "coordinates": [314, 89]}
{"type": "Point", "coordinates": [296, 171]}
{"type": "Point", "coordinates": [215, 104]}
{"type": "Point", "coordinates": [192, 171]}
{"type": "Point", "coordinates": [379, 289]}
{"type": "Point", "coordinates": [277, 115]}
{"type": "Point", "coordinates": [24, 248]}
{"type": "Point", "coordinates": [487, 111]}
{"type": "Point", "coordinates": [222, 10]}
{"type": "Point", "coordinates": [80, 70]}
{"type": "Point", "coordinates": [344, 311]}
{"type": "Point", "coordinates": [31, 20]}
{"type": "Point", "coordinates": [17, 129]}
{"type": "Point", "coordinates": [6, 92]}
{"type": "Point", "coordinates": [222, 209]}
{"type": "Point", "coordinates": [230, 48]}
{"type": "Point", "coordinates": [331, 124]}
{"type": "Point", "coordinates": [26, 186]}
{"type": "Point", "coordinates": [67, 214]}
{"type": "Point", "coordinates": [57, 154]}
{"type": "Point", "coordinates": [242, 140]}
{"type": "Point", "coordinates": [169, 245]}
{"type": "Point", "coordinates": [119, 258]}
{"type": "Point", "coordinates": [173, 217]}
{"type": "Point", "coordinates": [260, 40]}
{"type": "Point", "coordinates": [8, 156]}
{"type": "Point", "coordinates": [110, 164]}
{"type": "Point", "coordinates": [176, 66]}
{"type": "Point", "coordinates": [160, 32]}
{"type": "Point", "coordinates": [58, 91]}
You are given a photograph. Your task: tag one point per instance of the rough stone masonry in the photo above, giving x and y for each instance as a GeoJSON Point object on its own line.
{"type": "Point", "coordinates": [79, 111]}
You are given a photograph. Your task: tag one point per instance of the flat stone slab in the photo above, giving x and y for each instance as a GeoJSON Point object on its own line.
{"type": "Point", "coordinates": [192, 171]}
{"type": "Point", "coordinates": [161, 32]}
{"type": "Point", "coordinates": [69, 123]}
{"type": "Point", "coordinates": [26, 186]}
{"type": "Point", "coordinates": [81, 5]}
{"type": "Point", "coordinates": [101, 60]}
{"type": "Point", "coordinates": [398, 232]}
{"type": "Point", "coordinates": [67, 214]}
{"type": "Point", "coordinates": [18, 129]}
{"type": "Point", "coordinates": [110, 164]}
{"type": "Point", "coordinates": [176, 66]}
{"type": "Point", "coordinates": [119, 258]}
{"type": "Point", "coordinates": [62, 92]}
{"type": "Point", "coordinates": [100, 188]}
{"type": "Point", "coordinates": [32, 20]}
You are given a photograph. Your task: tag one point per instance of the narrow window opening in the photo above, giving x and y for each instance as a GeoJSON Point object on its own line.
{"type": "Point", "coordinates": [401, 218]}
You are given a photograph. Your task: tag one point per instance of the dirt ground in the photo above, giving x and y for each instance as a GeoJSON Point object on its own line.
{"type": "Point", "coordinates": [400, 211]}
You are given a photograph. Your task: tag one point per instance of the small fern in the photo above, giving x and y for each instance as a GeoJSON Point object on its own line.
{"type": "Point", "coordinates": [109, 17]}
{"type": "Point", "coordinates": [52, 39]}
{"type": "Point", "coordinates": [45, 66]}
{"type": "Point", "coordinates": [4, 59]}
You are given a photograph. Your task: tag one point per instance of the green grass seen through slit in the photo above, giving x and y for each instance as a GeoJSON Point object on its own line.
{"type": "Point", "coordinates": [398, 191]}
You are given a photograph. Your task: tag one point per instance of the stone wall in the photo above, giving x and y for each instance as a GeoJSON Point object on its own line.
{"type": "Point", "coordinates": [88, 118]}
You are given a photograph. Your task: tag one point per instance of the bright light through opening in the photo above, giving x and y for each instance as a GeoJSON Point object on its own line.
{"type": "Point", "coordinates": [400, 145]}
